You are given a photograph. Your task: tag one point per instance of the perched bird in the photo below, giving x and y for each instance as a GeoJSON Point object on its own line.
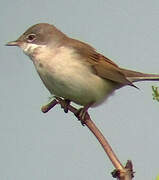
{"type": "Point", "coordinates": [72, 69]}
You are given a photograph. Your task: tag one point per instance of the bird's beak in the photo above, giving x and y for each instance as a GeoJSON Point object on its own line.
{"type": "Point", "coordinates": [13, 43]}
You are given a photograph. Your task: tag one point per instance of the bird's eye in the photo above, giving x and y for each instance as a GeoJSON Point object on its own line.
{"type": "Point", "coordinates": [31, 37]}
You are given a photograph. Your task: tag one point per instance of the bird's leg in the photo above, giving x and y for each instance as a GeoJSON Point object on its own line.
{"type": "Point", "coordinates": [64, 104]}
{"type": "Point", "coordinates": [81, 113]}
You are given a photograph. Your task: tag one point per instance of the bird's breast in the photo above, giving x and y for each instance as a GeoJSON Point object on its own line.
{"type": "Point", "coordinates": [65, 75]}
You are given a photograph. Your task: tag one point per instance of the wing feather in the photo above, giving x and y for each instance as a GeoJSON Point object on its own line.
{"type": "Point", "coordinates": [102, 66]}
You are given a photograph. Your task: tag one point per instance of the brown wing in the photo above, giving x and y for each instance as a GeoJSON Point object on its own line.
{"type": "Point", "coordinates": [101, 65]}
{"type": "Point", "coordinates": [107, 69]}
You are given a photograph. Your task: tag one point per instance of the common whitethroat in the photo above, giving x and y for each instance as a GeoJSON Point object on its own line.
{"type": "Point", "coordinates": [72, 69]}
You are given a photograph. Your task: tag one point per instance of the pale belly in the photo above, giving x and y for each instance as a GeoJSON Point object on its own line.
{"type": "Point", "coordinates": [81, 87]}
{"type": "Point", "coordinates": [68, 78]}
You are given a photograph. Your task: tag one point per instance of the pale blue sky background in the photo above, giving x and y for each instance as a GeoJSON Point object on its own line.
{"type": "Point", "coordinates": [37, 146]}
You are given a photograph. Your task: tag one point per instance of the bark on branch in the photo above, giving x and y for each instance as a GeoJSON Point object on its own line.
{"type": "Point", "coordinates": [120, 172]}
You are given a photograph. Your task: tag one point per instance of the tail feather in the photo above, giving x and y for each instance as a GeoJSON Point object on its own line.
{"type": "Point", "coordinates": [134, 76]}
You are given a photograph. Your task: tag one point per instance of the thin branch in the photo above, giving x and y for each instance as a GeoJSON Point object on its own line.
{"type": "Point", "coordinates": [49, 106]}
{"type": "Point", "coordinates": [107, 148]}
{"type": "Point", "coordinates": [121, 172]}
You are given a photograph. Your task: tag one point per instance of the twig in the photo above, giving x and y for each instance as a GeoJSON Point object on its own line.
{"type": "Point", "coordinates": [121, 172]}
{"type": "Point", "coordinates": [49, 106]}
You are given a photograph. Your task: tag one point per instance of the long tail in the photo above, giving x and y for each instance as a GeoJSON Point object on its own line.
{"type": "Point", "coordinates": [134, 76]}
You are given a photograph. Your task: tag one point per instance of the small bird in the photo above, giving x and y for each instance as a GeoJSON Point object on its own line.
{"type": "Point", "coordinates": [74, 70]}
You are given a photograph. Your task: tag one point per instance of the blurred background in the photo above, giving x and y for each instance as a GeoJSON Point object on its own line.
{"type": "Point", "coordinates": [39, 146]}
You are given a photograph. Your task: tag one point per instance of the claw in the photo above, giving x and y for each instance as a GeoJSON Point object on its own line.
{"type": "Point", "coordinates": [82, 114]}
{"type": "Point", "coordinates": [67, 103]}
{"type": "Point", "coordinates": [64, 104]}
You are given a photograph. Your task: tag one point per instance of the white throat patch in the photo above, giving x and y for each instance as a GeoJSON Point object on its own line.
{"type": "Point", "coordinates": [29, 48]}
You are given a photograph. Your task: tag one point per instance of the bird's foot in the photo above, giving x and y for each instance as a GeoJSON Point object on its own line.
{"type": "Point", "coordinates": [82, 114]}
{"type": "Point", "coordinates": [64, 104]}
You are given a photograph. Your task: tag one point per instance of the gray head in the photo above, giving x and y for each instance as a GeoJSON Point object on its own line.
{"type": "Point", "coordinates": [39, 34]}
